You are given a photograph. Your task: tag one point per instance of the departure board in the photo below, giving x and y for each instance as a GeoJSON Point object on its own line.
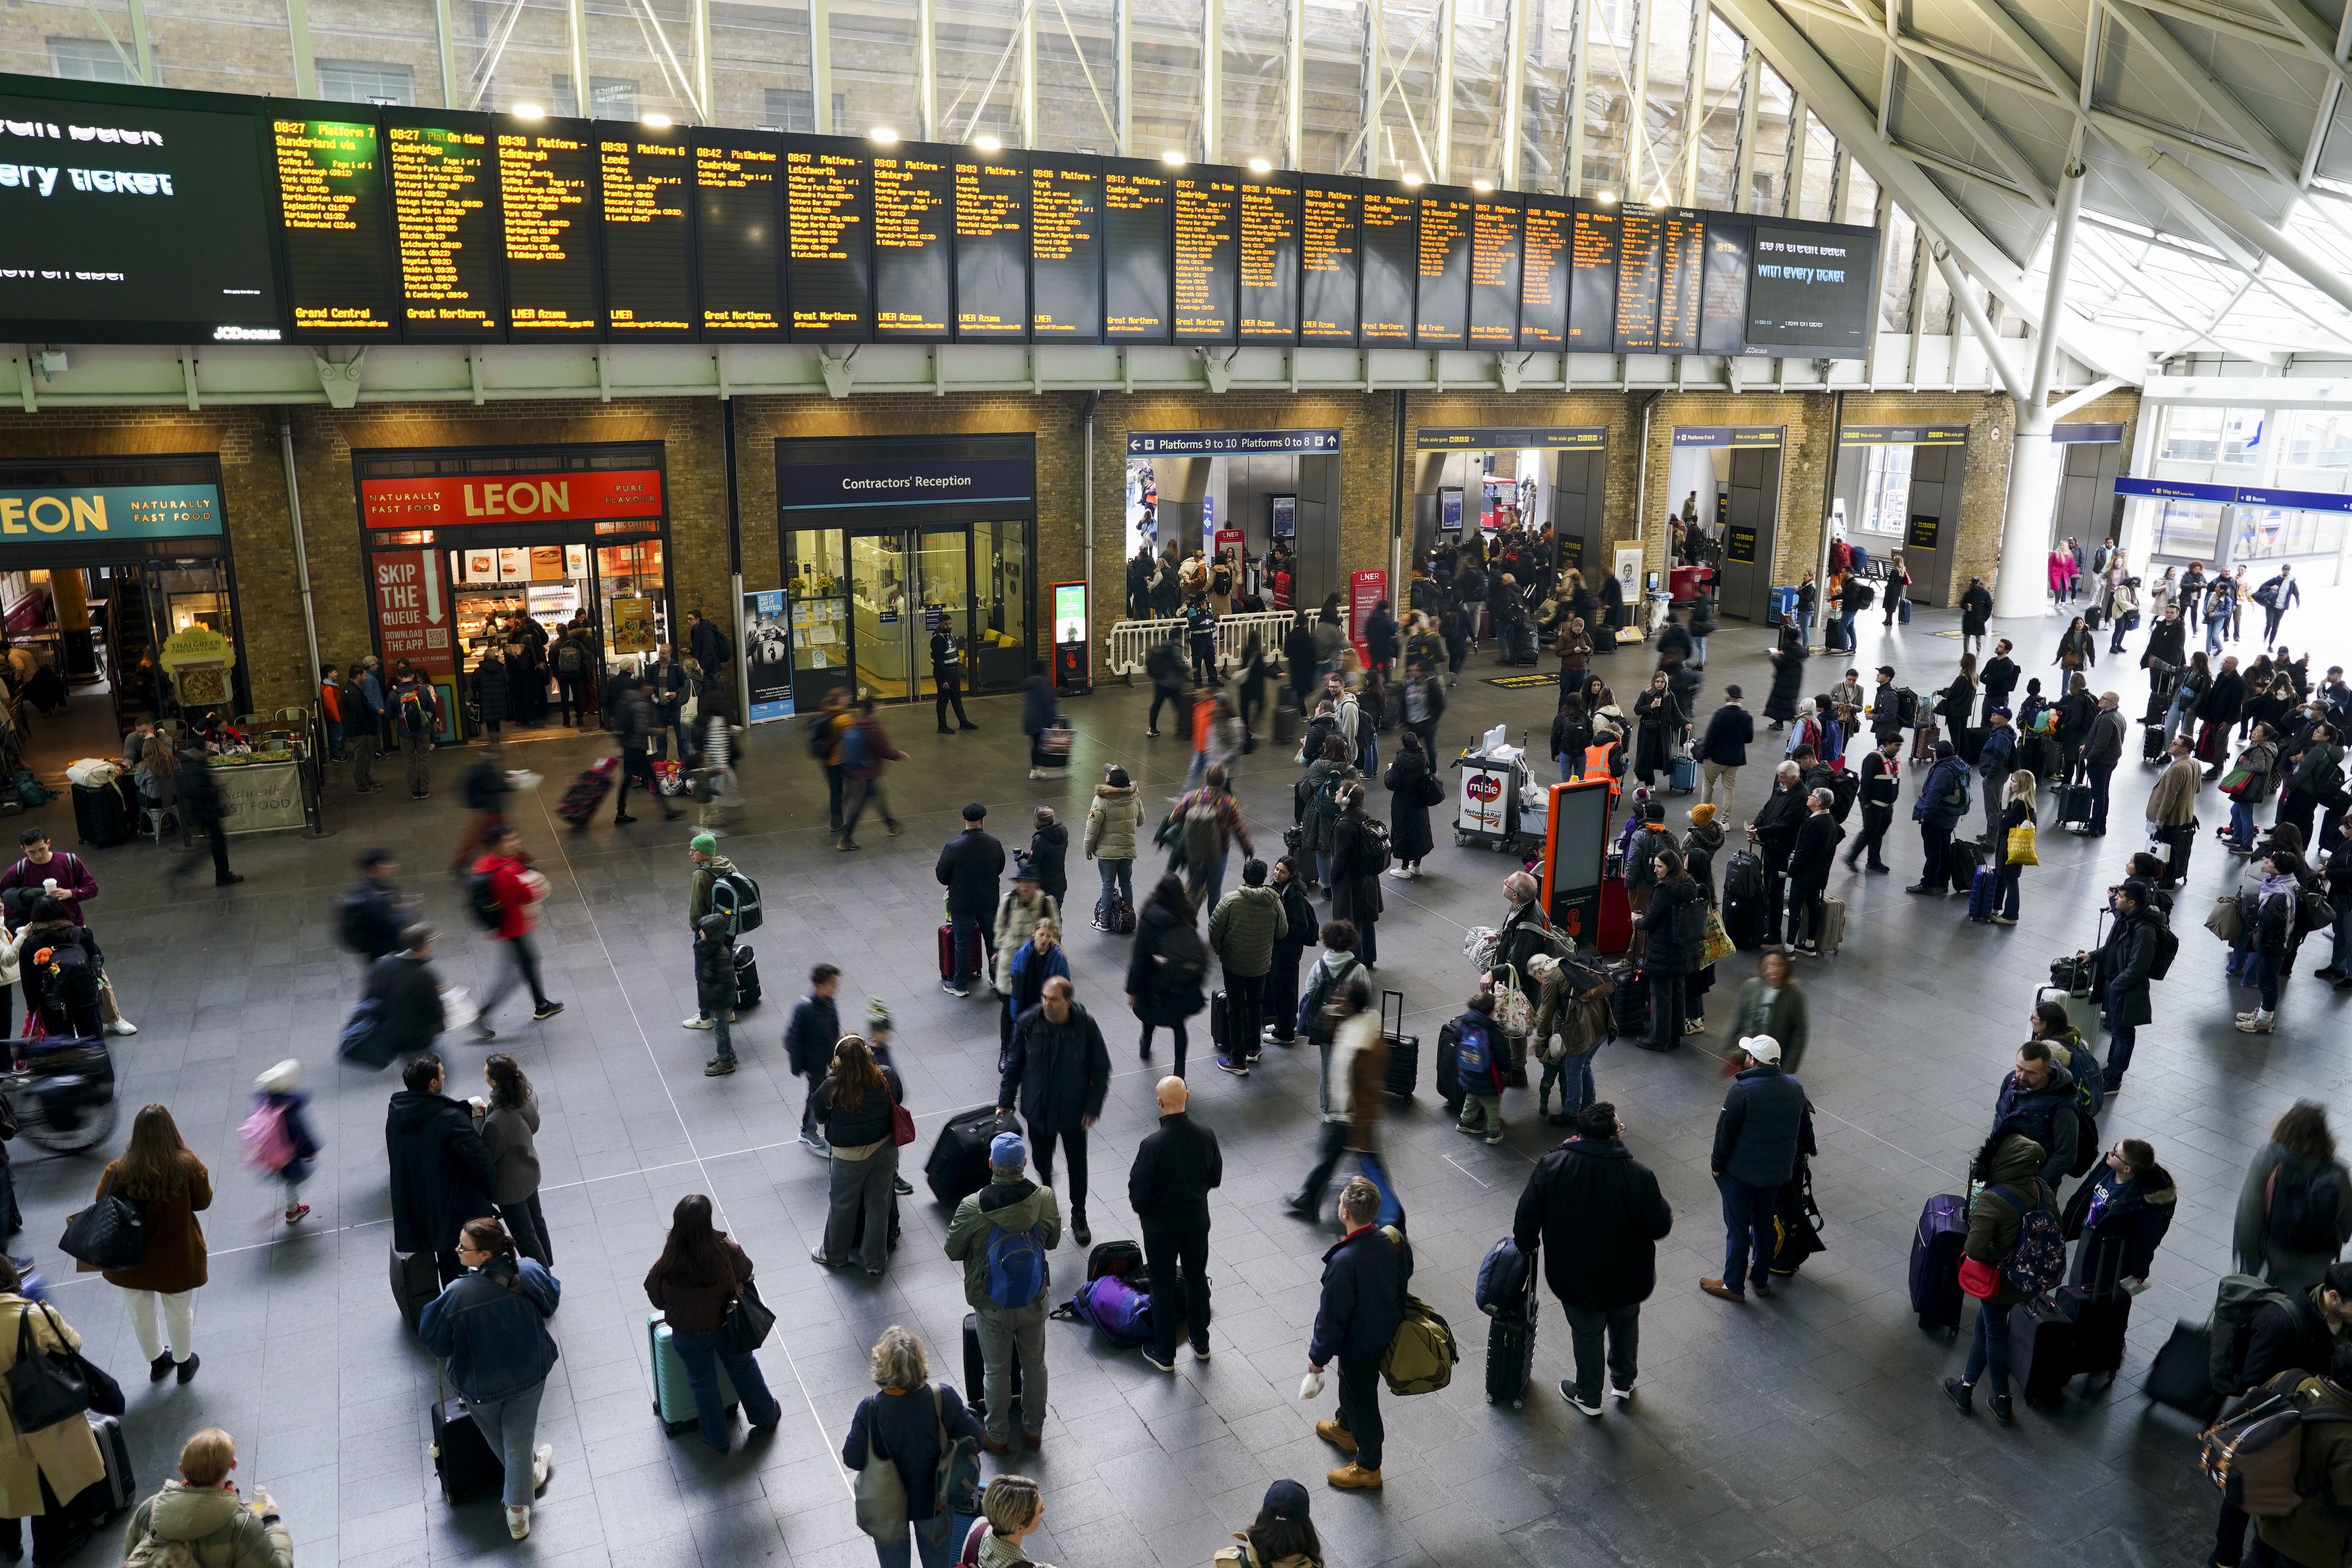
{"type": "Point", "coordinates": [1679, 281]}
{"type": "Point", "coordinates": [645, 179]}
{"type": "Point", "coordinates": [829, 235]}
{"type": "Point", "coordinates": [1641, 260]}
{"type": "Point", "coordinates": [1138, 285]}
{"type": "Point", "coordinates": [738, 190]}
{"type": "Point", "coordinates": [1592, 280]}
{"type": "Point", "coordinates": [1328, 245]}
{"type": "Point", "coordinates": [1064, 249]}
{"type": "Point", "coordinates": [1208, 258]}
{"type": "Point", "coordinates": [991, 248]}
{"type": "Point", "coordinates": [1723, 310]}
{"type": "Point", "coordinates": [914, 255]}
{"type": "Point", "coordinates": [330, 213]}
{"type": "Point", "coordinates": [1391, 264]}
{"type": "Point", "coordinates": [1442, 305]}
{"type": "Point", "coordinates": [1495, 275]}
{"type": "Point", "coordinates": [1546, 230]}
{"type": "Point", "coordinates": [444, 223]}
{"type": "Point", "coordinates": [547, 214]}
{"type": "Point", "coordinates": [1269, 259]}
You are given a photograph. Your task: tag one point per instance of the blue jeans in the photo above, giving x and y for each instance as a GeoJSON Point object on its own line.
{"type": "Point", "coordinates": [1746, 1215]}
{"type": "Point", "coordinates": [2172, 718]}
{"type": "Point", "coordinates": [2241, 825]}
{"type": "Point", "coordinates": [703, 1358]}
{"type": "Point", "coordinates": [2214, 629]}
{"type": "Point", "coordinates": [1120, 876]}
{"type": "Point", "coordinates": [511, 1427]}
{"type": "Point", "coordinates": [1699, 644]}
{"type": "Point", "coordinates": [1574, 1076]}
{"type": "Point", "coordinates": [1323, 868]}
{"type": "Point", "coordinates": [979, 941]}
{"type": "Point", "coordinates": [938, 1539]}
{"type": "Point", "coordinates": [1988, 1345]}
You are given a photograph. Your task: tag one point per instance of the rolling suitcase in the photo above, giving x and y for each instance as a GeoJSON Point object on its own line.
{"type": "Point", "coordinates": [2042, 1338]}
{"type": "Point", "coordinates": [1449, 1066]}
{"type": "Point", "coordinates": [1981, 901]}
{"type": "Point", "coordinates": [2100, 1322]}
{"type": "Point", "coordinates": [673, 1395]}
{"type": "Point", "coordinates": [1404, 1050]}
{"type": "Point", "coordinates": [2082, 1010]}
{"type": "Point", "coordinates": [747, 979]}
{"type": "Point", "coordinates": [1220, 1028]}
{"type": "Point", "coordinates": [2151, 742]}
{"type": "Point", "coordinates": [462, 1456]}
{"type": "Point", "coordinates": [2182, 1374]}
{"type": "Point", "coordinates": [1511, 1352]}
{"type": "Point", "coordinates": [1629, 1007]}
{"type": "Point", "coordinates": [1682, 778]}
{"type": "Point", "coordinates": [975, 1370]}
{"type": "Point", "coordinates": [2074, 803]}
{"type": "Point", "coordinates": [1832, 936]}
{"type": "Point", "coordinates": [958, 1165]}
{"type": "Point", "coordinates": [110, 1496]}
{"type": "Point", "coordinates": [415, 1281]}
{"type": "Point", "coordinates": [1962, 857]}
{"type": "Point", "coordinates": [1923, 743]}
{"type": "Point", "coordinates": [1936, 1293]}
{"type": "Point", "coordinates": [1743, 921]}
{"type": "Point", "coordinates": [102, 817]}
{"type": "Point", "coordinates": [977, 956]}
{"type": "Point", "coordinates": [1616, 921]}
{"type": "Point", "coordinates": [586, 792]}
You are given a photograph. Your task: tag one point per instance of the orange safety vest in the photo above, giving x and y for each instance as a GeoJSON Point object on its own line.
{"type": "Point", "coordinates": [1596, 766]}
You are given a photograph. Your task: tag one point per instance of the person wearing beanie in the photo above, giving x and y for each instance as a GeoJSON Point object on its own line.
{"type": "Point", "coordinates": [1026, 1215]}
{"type": "Point", "coordinates": [881, 1032]}
{"type": "Point", "coordinates": [279, 1135]}
{"type": "Point", "coordinates": [1113, 821]}
{"type": "Point", "coordinates": [1282, 1536]}
{"type": "Point", "coordinates": [710, 865]}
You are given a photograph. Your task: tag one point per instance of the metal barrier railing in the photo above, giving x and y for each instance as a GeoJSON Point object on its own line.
{"type": "Point", "coordinates": [1130, 642]}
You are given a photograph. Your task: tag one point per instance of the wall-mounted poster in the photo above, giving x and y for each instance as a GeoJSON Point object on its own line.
{"type": "Point", "coordinates": [481, 565]}
{"type": "Point", "coordinates": [1449, 509]}
{"type": "Point", "coordinates": [575, 562]}
{"type": "Point", "coordinates": [514, 564]}
{"type": "Point", "coordinates": [768, 656]}
{"type": "Point", "coordinates": [547, 563]}
{"type": "Point", "coordinates": [631, 631]}
{"type": "Point", "coordinates": [1282, 516]}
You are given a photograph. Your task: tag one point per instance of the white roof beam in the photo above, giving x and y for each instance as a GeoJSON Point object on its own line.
{"type": "Point", "coordinates": [2283, 163]}
{"type": "Point", "coordinates": [2290, 252]}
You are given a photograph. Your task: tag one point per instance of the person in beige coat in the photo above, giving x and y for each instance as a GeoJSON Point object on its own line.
{"type": "Point", "coordinates": [162, 1176]}
{"type": "Point", "coordinates": [1113, 823]}
{"type": "Point", "coordinates": [2172, 808]}
{"type": "Point", "coordinates": [40, 1472]}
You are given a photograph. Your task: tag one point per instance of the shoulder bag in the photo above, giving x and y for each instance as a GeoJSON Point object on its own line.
{"type": "Point", "coordinates": [958, 1491]}
{"type": "Point", "coordinates": [2020, 846]}
{"type": "Point", "coordinates": [749, 1321]}
{"type": "Point", "coordinates": [879, 1491]}
{"type": "Point", "coordinates": [44, 1387]}
{"type": "Point", "coordinates": [110, 1233]}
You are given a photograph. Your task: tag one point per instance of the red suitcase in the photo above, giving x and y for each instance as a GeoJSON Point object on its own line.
{"type": "Point", "coordinates": [1616, 921]}
{"type": "Point", "coordinates": [587, 792]}
{"type": "Point", "coordinates": [977, 958]}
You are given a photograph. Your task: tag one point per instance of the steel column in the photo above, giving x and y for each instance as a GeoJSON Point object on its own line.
{"type": "Point", "coordinates": [142, 47]}
{"type": "Point", "coordinates": [819, 66]}
{"type": "Point", "coordinates": [1294, 87]}
{"type": "Point", "coordinates": [575, 25]}
{"type": "Point", "coordinates": [1515, 88]}
{"type": "Point", "coordinates": [1213, 79]}
{"type": "Point", "coordinates": [703, 92]}
{"type": "Point", "coordinates": [298, 35]}
{"type": "Point", "coordinates": [445, 46]}
{"type": "Point", "coordinates": [1443, 110]}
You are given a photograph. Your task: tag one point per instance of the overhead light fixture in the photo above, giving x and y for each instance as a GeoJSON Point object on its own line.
{"type": "Point", "coordinates": [1482, 186]}
{"type": "Point", "coordinates": [986, 142]}
{"type": "Point", "coordinates": [1261, 167]}
{"type": "Point", "coordinates": [883, 136]}
{"type": "Point", "coordinates": [1173, 158]}
{"type": "Point", "coordinates": [656, 119]}
{"type": "Point", "coordinates": [1605, 197]}
{"type": "Point", "coordinates": [529, 111]}
{"type": "Point", "coordinates": [1409, 179]}
{"type": "Point", "coordinates": [1659, 198]}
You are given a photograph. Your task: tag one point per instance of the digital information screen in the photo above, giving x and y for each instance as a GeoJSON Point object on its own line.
{"type": "Point", "coordinates": [828, 259]}
{"type": "Point", "coordinates": [914, 256]}
{"type": "Point", "coordinates": [1722, 311]}
{"type": "Point", "coordinates": [1064, 249]}
{"type": "Point", "coordinates": [1327, 244]}
{"type": "Point", "coordinates": [547, 209]}
{"type": "Point", "coordinates": [85, 189]}
{"type": "Point", "coordinates": [738, 192]}
{"type": "Point", "coordinates": [1592, 282]}
{"type": "Point", "coordinates": [1138, 284]}
{"type": "Point", "coordinates": [1441, 304]}
{"type": "Point", "coordinates": [645, 180]}
{"type": "Point", "coordinates": [1269, 270]}
{"type": "Point", "coordinates": [445, 224]}
{"type": "Point", "coordinates": [1391, 260]}
{"type": "Point", "coordinates": [1495, 275]}
{"type": "Point", "coordinates": [330, 215]}
{"type": "Point", "coordinates": [1812, 289]}
{"type": "Point", "coordinates": [1545, 229]}
{"type": "Point", "coordinates": [1208, 259]}
{"type": "Point", "coordinates": [1679, 281]}
{"type": "Point", "coordinates": [991, 250]}
{"type": "Point", "coordinates": [1641, 258]}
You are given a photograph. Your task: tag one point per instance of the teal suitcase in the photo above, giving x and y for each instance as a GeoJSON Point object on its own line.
{"type": "Point", "coordinates": [673, 1395]}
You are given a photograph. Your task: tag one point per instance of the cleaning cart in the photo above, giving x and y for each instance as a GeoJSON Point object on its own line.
{"type": "Point", "coordinates": [1492, 802]}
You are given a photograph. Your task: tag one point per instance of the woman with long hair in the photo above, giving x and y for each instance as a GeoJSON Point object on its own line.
{"type": "Point", "coordinates": [490, 1325]}
{"type": "Point", "coordinates": [162, 1178]}
{"type": "Point", "coordinates": [1281, 1536]}
{"type": "Point", "coordinates": [2194, 682]}
{"type": "Point", "coordinates": [2014, 852]}
{"type": "Point", "coordinates": [509, 1123]}
{"type": "Point", "coordinates": [2295, 1212]}
{"type": "Point", "coordinates": [1413, 789]}
{"type": "Point", "coordinates": [2078, 647]}
{"type": "Point", "coordinates": [854, 1105]}
{"type": "Point", "coordinates": [694, 1281]}
{"type": "Point", "coordinates": [41, 1470]}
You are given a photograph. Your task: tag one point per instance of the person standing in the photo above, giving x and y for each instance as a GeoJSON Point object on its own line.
{"type": "Point", "coordinates": [1355, 882]}
{"type": "Point", "coordinates": [1766, 1125]}
{"type": "Point", "coordinates": [200, 1513]}
{"type": "Point", "coordinates": [1723, 748]}
{"type": "Point", "coordinates": [968, 867]}
{"type": "Point", "coordinates": [693, 1284]}
{"type": "Point", "coordinates": [1881, 786]}
{"type": "Point", "coordinates": [709, 868]}
{"type": "Point", "coordinates": [1363, 1303]}
{"type": "Point", "coordinates": [2172, 810]}
{"type": "Point", "coordinates": [2122, 970]}
{"type": "Point", "coordinates": [1996, 1222]}
{"type": "Point", "coordinates": [709, 648]}
{"type": "Point", "coordinates": [2294, 1209]}
{"type": "Point", "coordinates": [809, 1038]}
{"type": "Point", "coordinates": [1242, 931]}
{"type": "Point", "coordinates": [1943, 803]}
{"type": "Point", "coordinates": [2012, 853]}
{"type": "Point", "coordinates": [1808, 872]}
{"type": "Point", "coordinates": [161, 1176]}
{"type": "Point", "coordinates": [907, 1421]}
{"type": "Point", "coordinates": [507, 1124]}
{"type": "Point", "coordinates": [1675, 924]}
{"type": "Point", "coordinates": [417, 719]}
{"type": "Point", "coordinates": [1598, 1214]}
{"type": "Point", "coordinates": [1413, 789]}
{"type": "Point", "coordinates": [1995, 760]}
{"type": "Point", "coordinates": [1025, 1215]}
{"type": "Point", "coordinates": [363, 710]}
{"type": "Point", "coordinates": [506, 876]}
{"type": "Point", "coordinates": [1299, 932]}
{"type": "Point", "coordinates": [442, 1174]}
{"type": "Point", "coordinates": [1113, 821]}
{"type": "Point", "coordinates": [853, 1106]}
{"type": "Point", "coordinates": [1176, 1167]}
{"type": "Point", "coordinates": [1059, 1073]}
{"type": "Point", "coordinates": [1774, 831]}
{"type": "Point", "coordinates": [490, 1325]}
{"type": "Point", "coordinates": [2103, 748]}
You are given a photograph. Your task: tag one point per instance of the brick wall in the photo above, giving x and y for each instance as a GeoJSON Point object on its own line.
{"type": "Point", "coordinates": [1804, 418]}
{"type": "Point", "coordinates": [1984, 483]}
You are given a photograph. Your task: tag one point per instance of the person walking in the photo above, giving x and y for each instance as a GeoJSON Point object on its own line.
{"type": "Point", "coordinates": [1996, 1222]}
{"type": "Point", "coordinates": [201, 1511]}
{"type": "Point", "coordinates": [283, 1106]}
{"type": "Point", "coordinates": [442, 1174]}
{"type": "Point", "coordinates": [2279, 594]}
{"type": "Point", "coordinates": [406, 990]}
{"type": "Point", "coordinates": [373, 914]}
{"type": "Point", "coordinates": [1030, 966]}
{"type": "Point", "coordinates": [201, 809]}
{"type": "Point", "coordinates": [854, 1107]}
{"type": "Point", "coordinates": [1336, 1018]}
{"type": "Point", "coordinates": [633, 728]}
{"type": "Point", "coordinates": [1365, 1273]}
{"type": "Point", "coordinates": [1167, 970]}
{"type": "Point", "coordinates": [968, 869]}
{"type": "Point", "coordinates": [508, 1123]}
{"type": "Point", "coordinates": [1114, 821]}
{"type": "Point", "coordinates": [504, 878]}
{"type": "Point", "coordinates": [1598, 1216]}
{"type": "Point", "coordinates": [1059, 1074]}
{"type": "Point", "coordinates": [1771, 1004]}
{"type": "Point", "coordinates": [485, 787]}
{"type": "Point", "coordinates": [1206, 823]}
{"type": "Point", "coordinates": [947, 677]}
{"type": "Point", "coordinates": [1000, 1234]}
{"type": "Point", "coordinates": [909, 1422]}
{"type": "Point", "coordinates": [1176, 1167]}
{"type": "Point", "coordinates": [1242, 931]}
{"type": "Point", "coordinates": [1722, 749]}
{"type": "Point", "coordinates": [865, 748]}
{"type": "Point", "coordinates": [489, 1324]}
{"type": "Point", "coordinates": [1765, 1127]}
{"type": "Point", "coordinates": [809, 1037]}
{"type": "Point", "coordinates": [2294, 1208]}
{"type": "Point", "coordinates": [694, 1284]}
{"type": "Point", "coordinates": [161, 1176]}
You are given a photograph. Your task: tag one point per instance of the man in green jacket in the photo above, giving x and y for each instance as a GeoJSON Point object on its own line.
{"type": "Point", "coordinates": [1030, 1221]}
{"type": "Point", "coordinates": [1242, 929]}
{"type": "Point", "coordinates": [202, 1508]}
{"type": "Point", "coordinates": [2319, 1530]}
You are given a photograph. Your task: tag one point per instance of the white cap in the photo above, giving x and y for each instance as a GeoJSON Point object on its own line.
{"type": "Point", "coordinates": [1763, 1047]}
{"type": "Point", "coordinates": [281, 1077]}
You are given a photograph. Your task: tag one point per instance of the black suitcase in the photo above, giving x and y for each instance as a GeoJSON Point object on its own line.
{"type": "Point", "coordinates": [1449, 1066]}
{"type": "Point", "coordinates": [958, 1166]}
{"type": "Point", "coordinates": [1629, 1007]}
{"type": "Point", "coordinates": [110, 1496]}
{"type": "Point", "coordinates": [747, 979]}
{"type": "Point", "coordinates": [975, 1379]}
{"type": "Point", "coordinates": [2074, 803]}
{"type": "Point", "coordinates": [1404, 1050]}
{"type": "Point", "coordinates": [1219, 1027]}
{"type": "Point", "coordinates": [2100, 1322]}
{"type": "Point", "coordinates": [2151, 742]}
{"type": "Point", "coordinates": [2182, 1374]}
{"type": "Point", "coordinates": [462, 1456]}
{"type": "Point", "coordinates": [1961, 859]}
{"type": "Point", "coordinates": [102, 816]}
{"type": "Point", "coordinates": [415, 1279]}
{"type": "Point", "coordinates": [1511, 1354]}
{"type": "Point", "coordinates": [2041, 1341]}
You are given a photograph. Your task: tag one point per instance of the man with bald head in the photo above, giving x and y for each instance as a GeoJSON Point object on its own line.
{"type": "Point", "coordinates": [1168, 1190]}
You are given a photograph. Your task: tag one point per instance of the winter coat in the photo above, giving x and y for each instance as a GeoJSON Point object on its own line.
{"type": "Point", "coordinates": [869, 1123]}
{"type": "Point", "coordinates": [1242, 929]}
{"type": "Point", "coordinates": [1176, 1167]}
{"type": "Point", "coordinates": [1729, 732]}
{"type": "Point", "coordinates": [1975, 609]}
{"type": "Point", "coordinates": [1037, 708]}
{"type": "Point", "coordinates": [442, 1175]}
{"type": "Point", "coordinates": [2133, 1217]}
{"type": "Point", "coordinates": [1816, 850]}
{"type": "Point", "coordinates": [699, 1309]}
{"type": "Point", "coordinates": [1363, 1305]}
{"type": "Point", "coordinates": [1301, 929]}
{"type": "Point", "coordinates": [197, 791]}
{"type": "Point", "coordinates": [910, 1424]}
{"type": "Point", "coordinates": [2173, 802]}
{"type": "Point", "coordinates": [1316, 827]}
{"type": "Point", "coordinates": [409, 992]}
{"type": "Point", "coordinates": [1113, 821]}
{"type": "Point", "coordinates": [1778, 820]}
{"type": "Point", "coordinates": [1766, 1123]}
{"type": "Point", "coordinates": [1788, 683]}
{"type": "Point", "coordinates": [1943, 793]}
{"type": "Point", "coordinates": [1154, 1004]}
{"type": "Point", "coordinates": [2320, 1529]}
{"type": "Point", "coordinates": [176, 1259]}
{"type": "Point", "coordinates": [1408, 780]}
{"type": "Point", "coordinates": [1355, 893]}
{"type": "Point", "coordinates": [2121, 967]}
{"type": "Point", "coordinates": [1785, 1017]}
{"type": "Point", "coordinates": [490, 1325]}
{"type": "Point", "coordinates": [1995, 1218]}
{"type": "Point", "coordinates": [1025, 974]}
{"type": "Point", "coordinates": [1701, 845]}
{"type": "Point", "coordinates": [970, 868]}
{"type": "Point", "coordinates": [1061, 1072]}
{"type": "Point", "coordinates": [2250, 1229]}
{"type": "Point", "coordinates": [509, 1135]}
{"type": "Point", "coordinates": [217, 1524]}
{"type": "Point", "coordinates": [64, 1455]}
{"type": "Point", "coordinates": [1011, 1202]}
{"type": "Point", "coordinates": [491, 689]}
{"type": "Point", "coordinates": [1599, 1216]}
{"type": "Point", "coordinates": [518, 890]}
{"type": "Point", "coordinates": [2045, 1115]}
{"type": "Point", "coordinates": [1014, 922]}
{"type": "Point", "coordinates": [1670, 950]}
{"type": "Point", "coordinates": [1049, 853]}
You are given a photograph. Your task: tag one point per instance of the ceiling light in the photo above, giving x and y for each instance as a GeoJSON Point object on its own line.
{"type": "Point", "coordinates": [1482, 186]}
{"type": "Point", "coordinates": [884, 136]}
{"type": "Point", "coordinates": [529, 111]}
{"type": "Point", "coordinates": [1659, 199]}
{"type": "Point", "coordinates": [655, 119]}
{"type": "Point", "coordinates": [1605, 197]}
{"type": "Point", "coordinates": [986, 142]}
{"type": "Point", "coordinates": [1173, 158]}
{"type": "Point", "coordinates": [1409, 179]}
{"type": "Point", "coordinates": [1261, 167]}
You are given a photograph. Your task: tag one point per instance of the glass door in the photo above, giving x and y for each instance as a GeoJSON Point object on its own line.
{"type": "Point", "coordinates": [904, 585]}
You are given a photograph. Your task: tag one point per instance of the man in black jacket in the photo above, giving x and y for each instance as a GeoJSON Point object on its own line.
{"type": "Point", "coordinates": [1999, 675]}
{"type": "Point", "coordinates": [1059, 1072]}
{"type": "Point", "coordinates": [1886, 705]}
{"type": "Point", "coordinates": [1599, 1215]}
{"type": "Point", "coordinates": [2038, 1098]}
{"type": "Point", "coordinates": [1774, 833]}
{"type": "Point", "coordinates": [1809, 871]}
{"type": "Point", "coordinates": [1882, 786]}
{"type": "Point", "coordinates": [1167, 1187]}
{"type": "Point", "coordinates": [2103, 748]}
{"type": "Point", "coordinates": [373, 911]}
{"type": "Point", "coordinates": [2122, 969]}
{"type": "Point", "coordinates": [1766, 1125]}
{"type": "Point", "coordinates": [410, 1014]}
{"type": "Point", "coordinates": [1723, 748]}
{"type": "Point", "coordinates": [809, 1039]}
{"type": "Point", "coordinates": [968, 869]}
{"type": "Point", "coordinates": [442, 1175]}
{"type": "Point", "coordinates": [1364, 1279]}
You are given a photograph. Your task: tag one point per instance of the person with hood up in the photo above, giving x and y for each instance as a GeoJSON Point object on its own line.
{"type": "Point", "coordinates": [1598, 1216]}
{"type": "Point", "coordinates": [287, 1147]}
{"type": "Point", "coordinates": [1167, 970]}
{"type": "Point", "coordinates": [1058, 1075]}
{"type": "Point", "coordinates": [202, 1511]}
{"type": "Point", "coordinates": [1113, 821]}
{"type": "Point", "coordinates": [442, 1174]}
{"type": "Point", "coordinates": [2037, 1100]}
{"type": "Point", "coordinates": [490, 1325]}
{"type": "Point", "coordinates": [1570, 1025]}
{"type": "Point", "coordinates": [1765, 1126]}
{"type": "Point", "coordinates": [2294, 1210]}
{"type": "Point", "coordinates": [1996, 1218]}
{"type": "Point", "coordinates": [1675, 926]}
{"type": "Point", "coordinates": [2120, 1217]}
{"type": "Point", "coordinates": [1014, 1205]}
{"type": "Point", "coordinates": [1049, 852]}
{"type": "Point", "coordinates": [1242, 931]}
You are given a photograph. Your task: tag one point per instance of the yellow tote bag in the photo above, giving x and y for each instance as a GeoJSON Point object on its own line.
{"type": "Point", "coordinates": [2020, 846]}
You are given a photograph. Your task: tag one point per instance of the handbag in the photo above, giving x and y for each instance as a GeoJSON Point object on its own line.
{"type": "Point", "coordinates": [44, 1387]}
{"type": "Point", "coordinates": [957, 1490]}
{"type": "Point", "coordinates": [1718, 944]}
{"type": "Point", "coordinates": [879, 1492]}
{"type": "Point", "coordinates": [1981, 1280]}
{"type": "Point", "coordinates": [1514, 1015]}
{"type": "Point", "coordinates": [2020, 846]}
{"type": "Point", "coordinates": [2227, 919]}
{"type": "Point", "coordinates": [749, 1321]}
{"type": "Point", "coordinates": [902, 1126]}
{"type": "Point", "coordinates": [2235, 782]}
{"type": "Point", "coordinates": [110, 1233]}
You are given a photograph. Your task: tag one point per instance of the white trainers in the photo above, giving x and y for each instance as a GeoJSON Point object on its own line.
{"type": "Point", "coordinates": [694, 1024]}
{"type": "Point", "coordinates": [1401, 873]}
{"type": "Point", "coordinates": [2257, 1023]}
{"type": "Point", "coordinates": [518, 1522]}
{"type": "Point", "coordinates": [543, 1464]}
{"type": "Point", "coordinates": [1621, 1395]}
{"type": "Point", "coordinates": [121, 1027]}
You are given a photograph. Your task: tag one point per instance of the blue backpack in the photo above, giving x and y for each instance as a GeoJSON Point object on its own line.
{"type": "Point", "coordinates": [1016, 1267]}
{"type": "Point", "coordinates": [1471, 1056]}
{"type": "Point", "coordinates": [856, 747]}
{"type": "Point", "coordinates": [2038, 1262]}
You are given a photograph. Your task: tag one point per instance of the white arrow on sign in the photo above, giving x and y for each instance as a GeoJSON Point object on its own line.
{"type": "Point", "coordinates": [432, 592]}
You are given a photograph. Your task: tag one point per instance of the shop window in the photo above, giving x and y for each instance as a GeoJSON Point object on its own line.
{"type": "Point", "coordinates": [1002, 575]}
{"type": "Point", "coordinates": [2191, 528]}
{"type": "Point", "coordinates": [630, 586]}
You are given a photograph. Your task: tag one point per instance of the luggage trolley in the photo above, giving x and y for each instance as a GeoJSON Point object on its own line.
{"type": "Point", "coordinates": [1491, 806]}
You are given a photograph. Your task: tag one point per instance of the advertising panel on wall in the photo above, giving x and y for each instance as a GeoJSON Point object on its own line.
{"type": "Point", "coordinates": [768, 656]}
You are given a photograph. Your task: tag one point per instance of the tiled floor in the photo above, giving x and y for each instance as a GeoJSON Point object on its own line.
{"type": "Point", "coordinates": [1808, 1429]}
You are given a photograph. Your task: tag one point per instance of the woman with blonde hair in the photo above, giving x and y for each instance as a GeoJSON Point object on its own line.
{"type": "Point", "coordinates": [854, 1104]}
{"type": "Point", "coordinates": [2015, 847]}
{"type": "Point", "coordinates": [907, 1422]}
{"type": "Point", "coordinates": [162, 1178]}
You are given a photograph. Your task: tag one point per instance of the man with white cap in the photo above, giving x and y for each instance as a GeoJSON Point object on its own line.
{"type": "Point", "coordinates": [1766, 1123]}
{"type": "Point", "coordinates": [1000, 1235]}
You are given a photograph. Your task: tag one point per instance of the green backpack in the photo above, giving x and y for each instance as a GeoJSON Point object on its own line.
{"type": "Point", "coordinates": [1421, 1358]}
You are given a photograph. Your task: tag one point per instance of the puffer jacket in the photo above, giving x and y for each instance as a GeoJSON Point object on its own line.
{"type": "Point", "coordinates": [494, 1337]}
{"type": "Point", "coordinates": [1670, 950]}
{"type": "Point", "coordinates": [1993, 1220]}
{"type": "Point", "coordinates": [217, 1524]}
{"type": "Point", "coordinates": [2120, 1241]}
{"type": "Point", "coordinates": [1014, 922]}
{"type": "Point", "coordinates": [1244, 927]}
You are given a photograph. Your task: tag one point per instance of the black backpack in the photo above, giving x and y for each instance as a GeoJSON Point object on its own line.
{"type": "Point", "coordinates": [482, 900]}
{"type": "Point", "coordinates": [1179, 966]}
{"type": "Point", "coordinates": [1906, 707]}
{"type": "Point", "coordinates": [568, 658]}
{"type": "Point", "coordinates": [2303, 1209]}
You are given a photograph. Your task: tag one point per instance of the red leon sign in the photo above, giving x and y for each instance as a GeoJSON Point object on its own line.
{"type": "Point", "coordinates": [447, 501]}
{"type": "Point", "coordinates": [411, 621]}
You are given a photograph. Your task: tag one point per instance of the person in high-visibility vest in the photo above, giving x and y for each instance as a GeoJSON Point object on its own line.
{"type": "Point", "coordinates": [1603, 758]}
